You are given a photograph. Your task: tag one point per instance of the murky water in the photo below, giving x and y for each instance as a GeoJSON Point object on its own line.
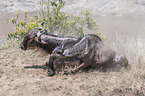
{"type": "Point", "coordinates": [98, 7]}
{"type": "Point", "coordinates": [114, 16]}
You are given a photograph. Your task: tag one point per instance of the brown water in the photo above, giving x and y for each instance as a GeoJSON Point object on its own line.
{"type": "Point", "coordinates": [125, 25]}
{"type": "Point", "coordinates": [126, 17]}
{"type": "Point", "coordinates": [133, 25]}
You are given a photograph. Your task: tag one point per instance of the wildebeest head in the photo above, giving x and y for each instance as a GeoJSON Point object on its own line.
{"type": "Point", "coordinates": [116, 63]}
{"type": "Point", "coordinates": [28, 42]}
{"type": "Point", "coordinates": [120, 61]}
{"type": "Point", "coordinates": [31, 40]}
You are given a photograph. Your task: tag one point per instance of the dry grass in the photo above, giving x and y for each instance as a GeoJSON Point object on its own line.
{"type": "Point", "coordinates": [15, 80]}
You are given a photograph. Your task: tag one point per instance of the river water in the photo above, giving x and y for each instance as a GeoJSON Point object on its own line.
{"type": "Point", "coordinates": [98, 7]}
{"type": "Point", "coordinates": [113, 16]}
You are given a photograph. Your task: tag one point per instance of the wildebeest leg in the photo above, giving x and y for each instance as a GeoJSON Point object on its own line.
{"type": "Point", "coordinates": [50, 67]}
{"type": "Point", "coordinates": [82, 66]}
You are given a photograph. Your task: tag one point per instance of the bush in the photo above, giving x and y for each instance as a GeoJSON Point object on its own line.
{"type": "Point", "coordinates": [58, 22]}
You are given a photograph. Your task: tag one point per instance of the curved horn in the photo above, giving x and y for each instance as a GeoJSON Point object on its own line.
{"type": "Point", "coordinates": [39, 34]}
{"type": "Point", "coordinates": [43, 23]}
{"type": "Point", "coordinates": [38, 28]}
{"type": "Point", "coordinates": [38, 38]}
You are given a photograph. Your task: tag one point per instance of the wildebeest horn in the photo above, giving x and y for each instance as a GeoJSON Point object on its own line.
{"type": "Point", "coordinates": [40, 28]}
{"type": "Point", "coordinates": [43, 23]}
{"type": "Point", "coordinates": [41, 33]}
{"type": "Point", "coordinates": [38, 38]}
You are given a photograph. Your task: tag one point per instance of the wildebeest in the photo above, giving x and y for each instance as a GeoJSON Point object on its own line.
{"type": "Point", "coordinates": [88, 50]}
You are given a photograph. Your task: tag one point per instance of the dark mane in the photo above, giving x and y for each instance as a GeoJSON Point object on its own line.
{"type": "Point", "coordinates": [50, 34]}
{"type": "Point", "coordinates": [60, 36]}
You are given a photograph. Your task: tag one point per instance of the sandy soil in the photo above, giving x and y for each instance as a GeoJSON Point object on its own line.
{"type": "Point", "coordinates": [21, 74]}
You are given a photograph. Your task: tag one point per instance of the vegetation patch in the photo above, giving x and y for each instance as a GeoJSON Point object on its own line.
{"type": "Point", "coordinates": [57, 21]}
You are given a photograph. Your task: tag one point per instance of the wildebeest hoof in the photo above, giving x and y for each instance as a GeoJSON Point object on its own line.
{"type": "Point", "coordinates": [72, 72]}
{"type": "Point", "coordinates": [44, 67]}
{"type": "Point", "coordinates": [50, 73]}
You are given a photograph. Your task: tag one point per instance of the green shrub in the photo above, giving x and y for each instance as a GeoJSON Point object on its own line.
{"type": "Point", "coordinates": [58, 22]}
{"type": "Point", "coordinates": [22, 28]}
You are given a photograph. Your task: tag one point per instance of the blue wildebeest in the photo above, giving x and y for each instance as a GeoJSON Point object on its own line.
{"type": "Point", "coordinates": [88, 50]}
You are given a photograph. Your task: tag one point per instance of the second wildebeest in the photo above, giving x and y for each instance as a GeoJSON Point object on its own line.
{"type": "Point", "coordinates": [90, 51]}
